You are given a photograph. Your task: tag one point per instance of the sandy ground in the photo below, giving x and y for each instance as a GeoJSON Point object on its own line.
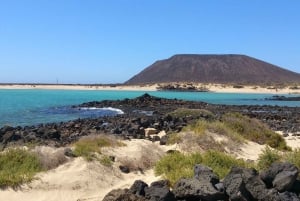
{"type": "Point", "coordinates": [153, 87]}
{"type": "Point", "coordinates": [79, 180]}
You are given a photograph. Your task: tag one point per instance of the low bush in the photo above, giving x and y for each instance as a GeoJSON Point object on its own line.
{"type": "Point", "coordinates": [174, 138]}
{"type": "Point", "coordinates": [17, 166]}
{"type": "Point", "coordinates": [144, 160]}
{"type": "Point", "coordinates": [209, 134]}
{"type": "Point", "coordinates": [267, 157]}
{"type": "Point", "coordinates": [49, 159]}
{"type": "Point", "coordinates": [89, 147]}
{"type": "Point", "coordinates": [178, 165]}
{"type": "Point", "coordinates": [106, 161]}
{"type": "Point", "coordinates": [254, 130]}
{"type": "Point", "coordinates": [187, 112]}
{"type": "Point", "coordinates": [238, 86]}
{"type": "Point", "coordinates": [221, 163]}
{"type": "Point", "coordinates": [293, 157]}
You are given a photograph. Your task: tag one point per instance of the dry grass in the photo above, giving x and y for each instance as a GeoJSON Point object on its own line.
{"type": "Point", "coordinates": [144, 160]}
{"type": "Point", "coordinates": [50, 158]}
{"type": "Point", "coordinates": [89, 146]}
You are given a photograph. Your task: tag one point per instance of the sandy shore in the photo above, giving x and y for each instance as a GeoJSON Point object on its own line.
{"type": "Point", "coordinates": [219, 88]}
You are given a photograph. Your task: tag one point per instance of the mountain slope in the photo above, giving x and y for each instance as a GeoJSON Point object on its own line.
{"type": "Point", "coordinates": [228, 68]}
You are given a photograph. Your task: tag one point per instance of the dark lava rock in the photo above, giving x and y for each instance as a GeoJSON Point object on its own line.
{"type": "Point", "coordinates": [204, 173]}
{"type": "Point", "coordinates": [245, 184]}
{"type": "Point", "coordinates": [124, 169]}
{"type": "Point", "coordinates": [159, 191]}
{"type": "Point", "coordinates": [193, 189]}
{"type": "Point", "coordinates": [284, 98]}
{"type": "Point", "coordinates": [288, 196]}
{"type": "Point", "coordinates": [280, 176]}
{"type": "Point", "coordinates": [138, 188]}
{"type": "Point", "coordinates": [122, 195]}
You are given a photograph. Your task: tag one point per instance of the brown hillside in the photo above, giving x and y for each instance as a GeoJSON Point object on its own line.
{"type": "Point", "coordinates": [228, 68]}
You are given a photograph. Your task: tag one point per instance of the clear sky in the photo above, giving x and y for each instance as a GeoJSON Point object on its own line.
{"type": "Point", "coordinates": [109, 41]}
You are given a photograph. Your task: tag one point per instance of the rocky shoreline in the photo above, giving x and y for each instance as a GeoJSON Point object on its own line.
{"type": "Point", "coordinates": [140, 113]}
{"type": "Point", "coordinates": [278, 183]}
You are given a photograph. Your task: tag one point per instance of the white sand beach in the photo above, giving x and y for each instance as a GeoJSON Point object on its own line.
{"type": "Point", "coordinates": [219, 88]}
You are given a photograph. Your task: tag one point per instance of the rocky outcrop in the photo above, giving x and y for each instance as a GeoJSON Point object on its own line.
{"type": "Point", "coordinates": [284, 98]}
{"type": "Point", "coordinates": [241, 184]}
{"type": "Point", "coordinates": [280, 176]}
{"type": "Point", "coordinates": [140, 114]}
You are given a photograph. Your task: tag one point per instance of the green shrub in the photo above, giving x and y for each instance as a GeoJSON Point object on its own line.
{"type": "Point", "coordinates": [267, 157]}
{"type": "Point", "coordinates": [293, 157]}
{"type": "Point", "coordinates": [254, 130]}
{"type": "Point", "coordinates": [17, 166]}
{"type": "Point", "coordinates": [106, 161]}
{"type": "Point", "coordinates": [177, 165]}
{"type": "Point", "coordinates": [221, 163]}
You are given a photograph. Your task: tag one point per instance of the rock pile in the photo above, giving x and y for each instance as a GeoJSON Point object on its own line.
{"type": "Point", "coordinates": [141, 113]}
{"type": "Point", "coordinates": [278, 183]}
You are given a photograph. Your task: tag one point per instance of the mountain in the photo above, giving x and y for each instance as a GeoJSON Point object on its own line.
{"type": "Point", "coordinates": [227, 68]}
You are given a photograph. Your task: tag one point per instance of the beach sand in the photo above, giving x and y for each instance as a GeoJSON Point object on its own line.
{"type": "Point", "coordinates": [220, 88]}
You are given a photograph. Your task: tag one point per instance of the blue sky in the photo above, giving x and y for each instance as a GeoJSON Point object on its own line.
{"type": "Point", "coordinates": [109, 41]}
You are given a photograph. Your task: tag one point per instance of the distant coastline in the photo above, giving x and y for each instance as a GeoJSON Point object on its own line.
{"type": "Point", "coordinates": [218, 88]}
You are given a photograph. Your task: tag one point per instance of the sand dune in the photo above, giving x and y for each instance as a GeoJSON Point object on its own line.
{"type": "Point", "coordinates": [79, 180]}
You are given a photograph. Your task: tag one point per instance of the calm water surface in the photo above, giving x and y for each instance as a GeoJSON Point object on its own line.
{"type": "Point", "coordinates": [28, 107]}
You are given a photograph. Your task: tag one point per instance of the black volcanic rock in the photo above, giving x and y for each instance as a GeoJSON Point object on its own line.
{"type": "Point", "coordinates": [228, 68]}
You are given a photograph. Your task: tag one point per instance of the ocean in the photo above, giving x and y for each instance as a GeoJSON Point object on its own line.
{"type": "Point", "coordinates": [32, 107]}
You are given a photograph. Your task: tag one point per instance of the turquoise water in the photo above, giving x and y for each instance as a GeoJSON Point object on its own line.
{"type": "Point", "coordinates": [28, 107]}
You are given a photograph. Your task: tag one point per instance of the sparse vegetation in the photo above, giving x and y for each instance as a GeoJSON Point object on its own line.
{"type": "Point", "coordinates": [186, 112]}
{"type": "Point", "coordinates": [267, 157]}
{"type": "Point", "coordinates": [221, 162]}
{"type": "Point", "coordinates": [177, 165]}
{"type": "Point", "coordinates": [238, 86]}
{"type": "Point", "coordinates": [89, 147]}
{"type": "Point", "coordinates": [293, 157]}
{"type": "Point", "coordinates": [270, 156]}
{"type": "Point", "coordinates": [201, 126]}
{"type": "Point", "coordinates": [145, 160]}
{"type": "Point", "coordinates": [18, 166]}
{"type": "Point", "coordinates": [106, 161]}
{"type": "Point", "coordinates": [174, 138]}
{"type": "Point", "coordinates": [254, 130]}
{"type": "Point", "coordinates": [50, 160]}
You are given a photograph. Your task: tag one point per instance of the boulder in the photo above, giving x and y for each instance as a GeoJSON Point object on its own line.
{"type": "Point", "coordinates": [122, 195]}
{"type": "Point", "coordinates": [138, 188]}
{"type": "Point", "coordinates": [280, 176]}
{"type": "Point", "coordinates": [150, 131]}
{"type": "Point", "coordinates": [194, 189]}
{"type": "Point", "coordinates": [288, 196]}
{"type": "Point", "coordinates": [163, 140]}
{"type": "Point", "coordinates": [124, 169]}
{"type": "Point", "coordinates": [245, 184]}
{"type": "Point", "coordinates": [204, 173]}
{"type": "Point", "coordinates": [159, 191]}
